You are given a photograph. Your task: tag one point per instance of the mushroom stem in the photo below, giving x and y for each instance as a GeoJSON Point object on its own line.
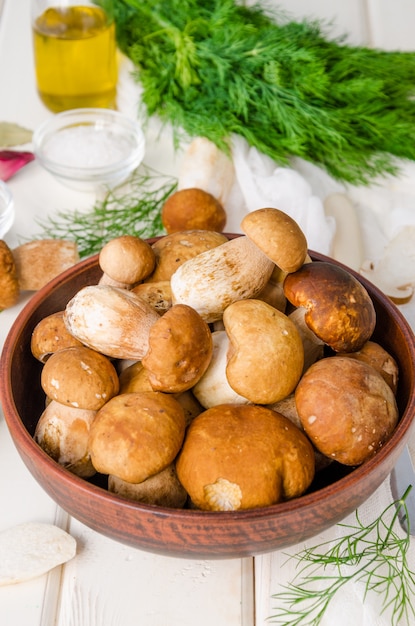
{"type": "Point", "coordinates": [214, 279]}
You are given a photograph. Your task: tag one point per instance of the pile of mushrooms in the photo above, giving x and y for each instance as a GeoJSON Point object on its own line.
{"type": "Point", "coordinates": [215, 373]}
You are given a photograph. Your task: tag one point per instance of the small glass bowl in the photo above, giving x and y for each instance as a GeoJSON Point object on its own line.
{"type": "Point", "coordinates": [6, 209]}
{"type": "Point", "coordinates": [89, 149]}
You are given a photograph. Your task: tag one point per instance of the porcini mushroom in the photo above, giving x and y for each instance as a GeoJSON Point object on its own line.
{"type": "Point", "coordinates": [266, 355]}
{"type": "Point", "coordinates": [180, 350]}
{"type": "Point", "coordinates": [214, 279]}
{"type": "Point", "coordinates": [239, 456]}
{"type": "Point", "coordinates": [126, 260]}
{"type": "Point", "coordinates": [62, 432]}
{"type": "Point", "coordinates": [136, 435]}
{"type": "Point", "coordinates": [339, 309]}
{"type": "Point", "coordinates": [376, 356]}
{"type": "Point", "coordinates": [346, 408]}
{"type": "Point", "coordinates": [162, 489]}
{"type": "Point", "coordinates": [192, 208]}
{"type": "Point", "coordinates": [9, 284]}
{"type": "Point", "coordinates": [39, 261]}
{"type": "Point", "coordinates": [51, 335]}
{"type": "Point", "coordinates": [213, 388]}
{"type": "Point", "coordinates": [278, 236]}
{"type": "Point", "coordinates": [79, 377]}
{"type": "Point", "coordinates": [113, 321]}
{"type": "Point", "coordinates": [175, 249]}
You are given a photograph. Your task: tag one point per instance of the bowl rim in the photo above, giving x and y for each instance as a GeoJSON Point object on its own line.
{"type": "Point", "coordinates": [299, 505]}
{"type": "Point", "coordinates": [92, 117]}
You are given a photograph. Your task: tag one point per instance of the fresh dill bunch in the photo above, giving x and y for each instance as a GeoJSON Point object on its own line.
{"type": "Point", "coordinates": [374, 555]}
{"type": "Point", "coordinates": [213, 68]}
{"type": "Point", "coordinates": [134, 208]}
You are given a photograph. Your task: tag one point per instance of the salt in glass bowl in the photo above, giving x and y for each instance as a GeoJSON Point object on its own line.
{"type": "Point", "coordinates": [89, 149]}
{"type": "Point", "coordinates": [6, 209]}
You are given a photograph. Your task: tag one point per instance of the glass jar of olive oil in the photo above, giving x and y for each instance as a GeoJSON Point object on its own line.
{"type": "Point", "coordinates": [74, 53]}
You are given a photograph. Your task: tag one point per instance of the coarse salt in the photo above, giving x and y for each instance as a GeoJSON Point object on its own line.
{"type": "Point", "coordinates": [87, 146]}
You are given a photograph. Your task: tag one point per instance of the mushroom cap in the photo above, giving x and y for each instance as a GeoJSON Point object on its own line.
{"type": "Point", "coordinates": [41, 260]}
{"type": "Point", "coordinates": [134, 378]}
{"type": "Point", "coordinates": [180, 350]}
{"type": "Point", "coordinates": [278, 236]}
{"type": "Point", "coordinates": [79, 377]}
{"type": "Point", "coordinates": [266, 355]}
{"type": "Point", "coordinates": [62, 432]}
{"type": "Point", "coordinates": [376, 356]}
{"type": "Point", "coordinates": [156, 294]}
{"type": "Point", "coordinates": [9, 284]}
{"type": "Point", "coordinates": [113, 321]}
{"type": "Point", "coordinates": [192, 208]}
{"type": "Point", "coordinates": [238, 456]}
{"type": "Point", "coordinates": [175, 249]}
{"type": "Point", "coordinates": [136, 435]}
{"type": "Point", "coordinates": [51, 335]}
{"type": "Point", "coordinates": [127, 259]}
{"type": "Point", "coordinates": [346, 408]}
{"type": "Point", "coordinates": [162, 489]}
{"type": "Point", "coordinates": [214, 279]}
{"type": "Point", "coordinates": [339, 310]}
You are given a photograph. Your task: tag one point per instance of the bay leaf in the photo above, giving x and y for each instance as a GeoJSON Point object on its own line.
{"type": "Point", "coordinates": [14, 135]}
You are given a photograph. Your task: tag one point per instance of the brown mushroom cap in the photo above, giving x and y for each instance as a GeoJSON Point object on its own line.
{"type": "Point", "coordinates": [79, 377]}
{"type": "Point", "coordinates": [278, 236]}
{"type": "Point", "coordinates": [339, 310]}
{"type": "Point", "coordinates": [156, 294]}
{"type": "Point", "coordinates": [51, 335]}
{"type": "Point", "coordinates": [62, 432]}
{"type": "Point", "coordinates": [376, 356]}
{"type": "Point", "coordinates": [346, 408]}
{"type": "Point", "coordinates": [134, 378]}
{"type": "Point", "coordinates": [136, 435]}
{"type": "Point", "coordinates": [9, 284]}
{"type": "Point", "coordinates": [180, 350]}
{"type": "Point", "coordinates": [162, 489]}
{"type": "Point", "coordinates": [192, 208]}
{"type": "Point", "coordinates": [266, 355]}
{"type": "Point", "coordinates": [127, 259]}
{"type": "Point", "coordinates": [175, 249]}
{"type": "Point", "coordinates": [243, 456]}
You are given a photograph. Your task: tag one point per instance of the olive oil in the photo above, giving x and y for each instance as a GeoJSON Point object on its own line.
{"type": "Point", "coordinates": [75, 58]}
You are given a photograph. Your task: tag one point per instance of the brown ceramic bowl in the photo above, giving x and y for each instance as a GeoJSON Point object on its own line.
{"type": "Point", "coordinates": [190, 533]}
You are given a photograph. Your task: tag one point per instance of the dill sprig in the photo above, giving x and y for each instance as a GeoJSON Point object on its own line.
{"type": "Point", "coordinates": [133, 208]}
{"type": "Point", "coordinates": [374, 555]}
{"type": "Point", "coordinates": [213, 68]}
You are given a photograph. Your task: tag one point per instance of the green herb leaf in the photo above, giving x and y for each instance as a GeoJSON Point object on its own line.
{"type": "Point", "coordinates": [213, 68]}
{"type": "Point", "coordinates": [133, 208]}
{"type": "Point", "coordinates": [375, 555]}
{"type": "Point", "coordinates": [13, 135]}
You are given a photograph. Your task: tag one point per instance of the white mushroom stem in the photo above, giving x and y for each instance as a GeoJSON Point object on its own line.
{"type": "Point", "coordinates": [206, 167]}
{"type": "Point", "coordinates": [214, 279]}
{"type": "Point", "coordinates": [213, 388]}
{"type": "Point", "coordinates": [313, 345]}
{"type": "Point", "coordinates": [115, 322]}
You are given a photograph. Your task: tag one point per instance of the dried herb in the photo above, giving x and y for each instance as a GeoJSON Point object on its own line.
{"type": "Point", "coordinates": [213, 68]}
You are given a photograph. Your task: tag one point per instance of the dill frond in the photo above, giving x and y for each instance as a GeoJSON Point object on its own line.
{"type": "Point", "coordinates": [374, 555]}
{"type": "Point", "coordinates": [133, 208]}
{"type": "Point", "coordinates": [213, 68]}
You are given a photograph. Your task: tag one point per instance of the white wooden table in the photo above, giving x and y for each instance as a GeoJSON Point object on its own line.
{"type": "Point", "coordinates": [106, 584]}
